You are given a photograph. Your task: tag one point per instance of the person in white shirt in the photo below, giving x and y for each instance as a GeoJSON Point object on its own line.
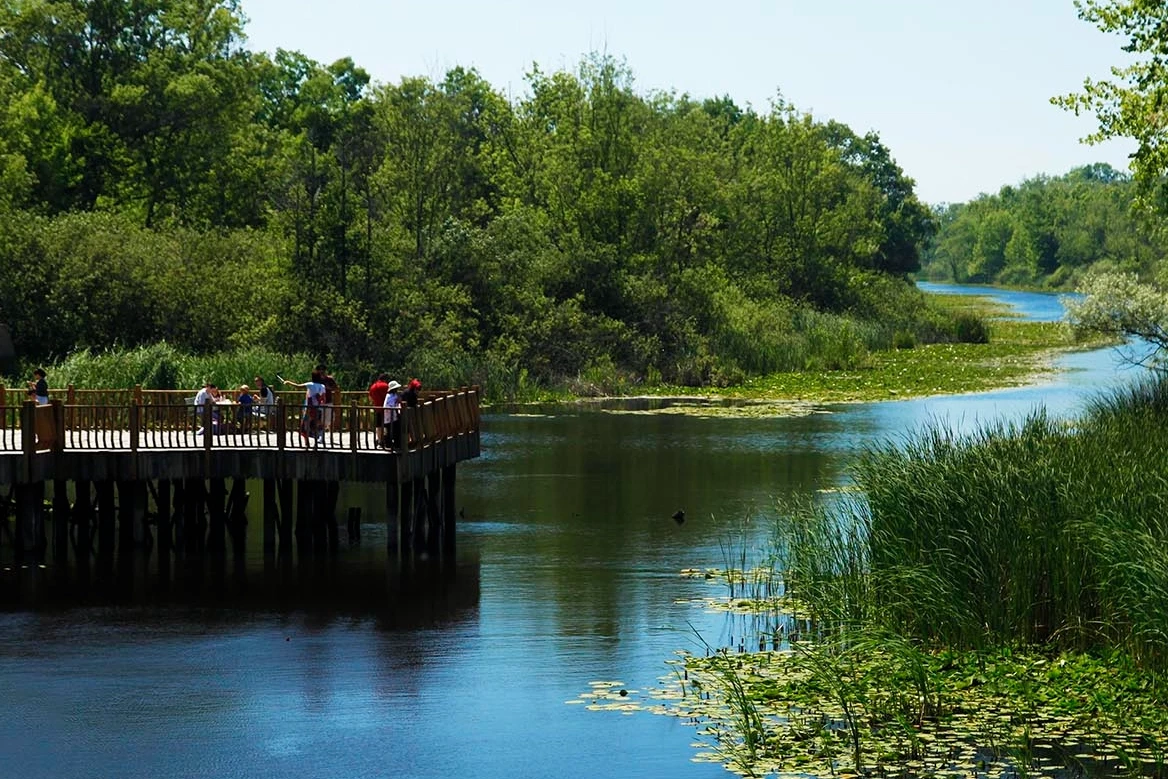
{"type": "Point", "coordinates": [392, 407]}
{"type": "Point", "coordinates": [310, 420]}
{"type": "Point", "coordinates": [201, 398]}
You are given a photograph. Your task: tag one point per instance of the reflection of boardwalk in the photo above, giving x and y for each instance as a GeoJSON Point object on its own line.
{"type": "Point", "coordinates": [144, 467]}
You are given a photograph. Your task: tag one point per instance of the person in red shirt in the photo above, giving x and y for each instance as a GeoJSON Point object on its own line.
{"type": "Point", "coordinates": [377, 392]}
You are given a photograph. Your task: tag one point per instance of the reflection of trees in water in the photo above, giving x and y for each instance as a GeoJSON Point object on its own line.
{"type": "Point", "coordinates": [397, 596]}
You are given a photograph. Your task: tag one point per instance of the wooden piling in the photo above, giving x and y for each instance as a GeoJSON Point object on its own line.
{"type": "Point", "coordinates": [330, 494]}
{"type": "Point", "coordinates": [216, 498]}
{"type": "Point", "coordinates": [284, 492]}
{"type": "Point", "coordinates": [106, 522]}
{"type": "Point", "coordinates": [237, 516]}
{"type": "Point", "coordinates": [391, 514]}
{"type": "Point", "coordinates": [83, 519]}
{"type": "Point", "coordinates": [353, 524]}
{"type": "Point", "coordinates": [304, 516]}
{"type": "Point", "coordinates": [179, 517]}
{"type": "Point", "coordinates": [61, 520]}
{"type": "Point", "coordinates": [407, 516]}
{"type": "Point", "coordinates": [434, 523]}
{"type": "Point", "coordinates": [421, 515]}
{"type": "Point", "coordinates": [448, 509]}
{"type": "Point", "coordinates": [271, 514]}
{"type": "Point", "coordinates": [163, 523]}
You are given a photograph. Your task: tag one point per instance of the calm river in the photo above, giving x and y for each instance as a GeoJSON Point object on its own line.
{"type": "Point", "coordinates": [567, 572]}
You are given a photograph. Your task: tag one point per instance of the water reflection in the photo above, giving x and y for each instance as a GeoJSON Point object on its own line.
{"type": "Point", "coordinates": [568, 570]}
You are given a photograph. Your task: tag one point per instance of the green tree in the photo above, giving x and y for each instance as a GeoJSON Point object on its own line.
{"type": "Point", "coordinates": [1134, 104]}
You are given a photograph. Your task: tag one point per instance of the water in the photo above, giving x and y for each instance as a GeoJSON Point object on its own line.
{"type": "Point", "coordinates": [567, 572]}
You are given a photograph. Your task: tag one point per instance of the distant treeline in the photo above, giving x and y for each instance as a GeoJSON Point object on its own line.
{"type": "Point", "coordinates": [161, 183]}
{"type": "Point", "coordinates": [1046, 232]}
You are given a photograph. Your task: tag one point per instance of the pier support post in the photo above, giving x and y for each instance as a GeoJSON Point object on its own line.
{"type": "Point", "coordinates": [284, 491]}
{"type": "Point", "coordinates": [106, 522]}
{"type": "Point", "coordinates": [391, 510]}
{"type": "Point", "coordinates": [434, 518]}
{"type": "Point", "coordinates": [165, 537]}
{"type": "Point", "coordinates": [353, 525]}
{"type": "Point", "coordinates": [330, 493]}
{"type": "Point", "coordinates": [237, 516]}
{"type": "Point", "coordinates": [407, 516]}
{"type": "Point", "coordinates": [180, 518]}
{"type": "Point", "coordinates": [271, 513]}
{"type": "Point", "coordinates": [421, 514]}
{"type": "Point", "coordinates": [83, 518]}
{"type": "Point", "coordinates": [61, 519]}
{"type": "Point", "coordinates": [194, 518]}
{"type": "Point", "coordinates": [448, 510]}
{"type": "Point", "coordinates": [216, 497]}
{"type": "Point", "coordinates": [30, 499]}
{"type": "Point", "coordinates": [304, 516]}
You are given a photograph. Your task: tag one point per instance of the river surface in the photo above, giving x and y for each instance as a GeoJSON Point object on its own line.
{"type": "Point", "coordinates": [567, 572]}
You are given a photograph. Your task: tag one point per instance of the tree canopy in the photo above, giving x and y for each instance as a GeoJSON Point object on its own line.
{"type": "Point", "coordinates": [159, 181]}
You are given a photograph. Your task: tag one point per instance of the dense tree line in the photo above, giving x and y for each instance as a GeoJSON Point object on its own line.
{"type": "Point", "coordinates": [1047, 232]}
{"type": "Point", "coordinates": [161, 182]}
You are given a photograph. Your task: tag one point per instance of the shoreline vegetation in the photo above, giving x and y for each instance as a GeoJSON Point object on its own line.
{"type": "Point", "coordinates": [1015, 353]}
{"type": "Point", "coordinates": [992, 604]}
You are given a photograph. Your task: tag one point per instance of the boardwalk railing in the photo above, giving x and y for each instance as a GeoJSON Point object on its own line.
{"type": "Point", "coordinates": [153, 420]}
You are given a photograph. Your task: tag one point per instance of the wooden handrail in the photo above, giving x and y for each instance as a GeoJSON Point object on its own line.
{"type": "Point", "coordinates": [155, 425]}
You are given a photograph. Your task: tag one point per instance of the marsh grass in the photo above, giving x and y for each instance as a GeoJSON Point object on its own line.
{"type": "Point", "coordinates": [1036, 533]}
{"type": "Point", "coordinates": [162, 366]}
{"type": "Point", "coordinates": [1002, 593]}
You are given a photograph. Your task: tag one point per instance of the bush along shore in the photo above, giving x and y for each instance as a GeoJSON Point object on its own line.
{"type": "Point", "coordinates": [831, 359]}
{"type": "Point", "coordinates": [992, 604]}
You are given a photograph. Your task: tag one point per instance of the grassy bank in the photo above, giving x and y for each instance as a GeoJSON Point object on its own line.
{"type": "Point", "coordinates": [841, 365]}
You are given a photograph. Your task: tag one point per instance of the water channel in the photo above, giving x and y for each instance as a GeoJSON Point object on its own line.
{"type": "Point", "coordinates": [567, 572]}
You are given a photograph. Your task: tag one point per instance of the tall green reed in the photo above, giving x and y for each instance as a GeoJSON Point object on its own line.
{"type": "Point", "coordinates": [1036, 533]}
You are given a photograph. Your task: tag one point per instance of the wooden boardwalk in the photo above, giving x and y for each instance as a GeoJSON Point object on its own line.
{"type": "Point", "coordinates": [171, 480]}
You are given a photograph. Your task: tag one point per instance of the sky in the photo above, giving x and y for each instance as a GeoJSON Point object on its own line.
{"type": "Point", "coordinates": [959, 90]}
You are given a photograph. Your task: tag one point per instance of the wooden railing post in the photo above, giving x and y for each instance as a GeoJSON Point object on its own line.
{"type": "Point", "coordinates": [208, 424]}
{"type": "Point", "coordinates": [404, 417]}
{"type": "Point", "coordinates": [281, 424]}
{"type": "Point", "coordinates": [70, 395]}
{"type": "Point", "coordinates": [58, 424]}
{"type": "Point", "coordinates": [353, 426]}
{"type": "Point", "coordinates": [135, 423]}
{"type": "Point", "coordinates": [138, 394]}
{"type": "Point", "coordinates": [28, 427]}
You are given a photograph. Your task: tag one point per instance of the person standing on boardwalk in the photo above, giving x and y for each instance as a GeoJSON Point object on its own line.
{"type": "Point", "coordinates": [377, 392]}
{"type": "Point", "coordinates": [39, 387]}
{"type": "Point", "coordinates": [410, 396]}
{"type": "Point", "coordinates": [310, 420]}
{"type": "Point", "coordinates": [392, 406]}
{"type": "Point", "coordinates": [332, 395]}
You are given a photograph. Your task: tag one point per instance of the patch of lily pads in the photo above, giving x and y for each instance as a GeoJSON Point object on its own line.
{"type": "Point", "coordinates": [875, 706]}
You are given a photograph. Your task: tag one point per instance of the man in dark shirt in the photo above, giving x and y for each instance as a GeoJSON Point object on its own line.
{"type": "Point", "coordinates": [39, 389]}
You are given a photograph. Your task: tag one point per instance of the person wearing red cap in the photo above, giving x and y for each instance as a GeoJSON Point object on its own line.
{"type": "Point", "coordinates": [410, 396]}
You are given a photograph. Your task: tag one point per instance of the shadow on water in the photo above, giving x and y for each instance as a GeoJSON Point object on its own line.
{"type": "Point", "coordinates": [396, 595]}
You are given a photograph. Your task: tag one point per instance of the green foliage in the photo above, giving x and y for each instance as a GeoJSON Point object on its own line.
{"type": "Point", "coordinates": [1017, 534]}
{"type": "Point", "coordinates": [1120, 306]}
{"type": "Point", "coordinates": [212, 198]}
{"type": "Point", "coordinates": [162, 366]}
{"type": "Point", "coordinates": [1046, 232]}
{"type": "Point", "coordinates": [1130, 106]}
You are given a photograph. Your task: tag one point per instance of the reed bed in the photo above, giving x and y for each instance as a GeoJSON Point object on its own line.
{"type": "Point", "coordinates": [1038, 533]}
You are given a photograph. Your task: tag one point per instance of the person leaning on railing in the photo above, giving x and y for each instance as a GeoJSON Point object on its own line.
{"type": "Point", "coordinates": [39, 387]}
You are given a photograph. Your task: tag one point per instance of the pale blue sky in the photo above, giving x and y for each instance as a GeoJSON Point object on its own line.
{"type": "Point", "coordinates": [959, 91]}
